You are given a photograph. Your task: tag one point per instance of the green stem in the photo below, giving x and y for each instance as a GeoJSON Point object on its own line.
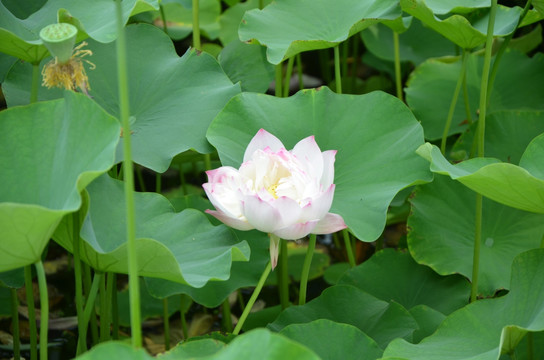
{"type": "Point", "coordinates": [140, 177]}
{"type": "Point", "coordinates": [89, 306]}
{"type": "Point", "coordinates": [299, 72]}
{"type": "Point", "coordinates": [87, 284]}
{"type": "Point", "coordinates": [104, 310]}
{"type": "Point", "coordinates": [78, 280]}
{"type": "Point", "coordinates": [31, 313]}
{"type": "Point", "coordinates": [306, 269]}
{"type": "Point", "coordinates": [114, 307]}
{"type": "Point", "coordinates": [337, 75]}
{"type": "Point", "coordinates": [44, 309]}
{"type": "Point", "coordinates": [208, 161]}
{"type": "Point", "coordinates": [454, 102]}
{"type": "Point", "coordinates": [283, 275]}
{"type": "Point", "coordinates": [253, 298]}
{"type": "Point", "coordinates": [134, 285]}
{"type": "Point", "coordinates": [166, 320]}
{"type": "Point", "coordinates": [35, 82]}
{"type": "Point", "coordinates": [15, 324]}
{"type": "Point", "coordinates": [196, 25]}
{"type": "Point", "coordinates": [227, 318]}
{"type": "Point", "coordinates": [398, 75]}
{"type": "Point", "coordinates": [241, 300]}
{"type": "Point", "coordinates": [481, 137]}
{"type": "Point", "coordinates": [158, 183]}
{"type": "Point", "coordinates": [503, 48]}
{"type": "Point", "coordinates": [287, 81]}
{"type": "Point", "coordinates": [184, 328]}
{"type": "Point", "coordinates": [349, 249]}
{"type": "Point", "coordinates": [261, 4]}
{"type": "Point", "coordinates": [278, 80]}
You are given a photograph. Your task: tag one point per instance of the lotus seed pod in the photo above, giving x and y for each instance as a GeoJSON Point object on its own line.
{"type": "Point", "coordinates": [59, 39]}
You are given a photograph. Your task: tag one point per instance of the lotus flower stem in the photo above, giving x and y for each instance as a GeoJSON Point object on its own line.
{"type": "Point", "coordinates": [398, 74]}
{"type": "Point", "coordinates": [337, 75]}
{"type": "Point", "coordinates": [89, 306]}
{"type": "Point", "coordinates": [35, 82]}
{"type": "Point", "coordinates": [44, 309]}
{"type": "Point", "coordinates": [78, 281]}
{"type": "Point", "coordinates": [140, 178]}
{"type": "Point", "coordinates": [15, 324]}
{"type": "Point", "coordinates": [196, 26]}
{"type": "Point", "coordinates": [349, 250]}
{"type": "Point", "coordinates": [134, 284]}
{"type": "Point", "coordinates": [454, 102]}
{"type": "Point", "coordinates": [481, 138]}
{"type": "Point", "coordinates": [288, 73]}
{"type": "Point", "coordinates": [87, 285]}
{"type": "Point", "coordinates": [306, 269]}
{"type": "Point", "coordinates": [252, 299]}
{"type": "Point", "coordinates": [283, 275]}
{"type": "Point", "coordinates": [31, 313]}
{"type": "Point", "coordinates": [227, 318]}
{"type": "Point", "coordinates": [166, 320]}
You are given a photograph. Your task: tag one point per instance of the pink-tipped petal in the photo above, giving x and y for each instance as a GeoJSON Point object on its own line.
{"type": "Point", "coordinates": [216, 175]}
{"type": "Point", "coordinates": [274, 243]}
{"type": "Point", "coordinates": [328, 168]}
{"type": "Point", "coordinates": [260, 214]}
{"type": "Point", "coordinates": [318, 207]}
{"type": "Point", "coordinates": [329, 224]}
{"type": "Point", "coordinates": [232, 222]}
{"type": "Point", "coordinates": [307, 152]}
{"type": "Point", "coordinates": [296, 231]}
{"type": "Point", "coordinates": [261, 141]}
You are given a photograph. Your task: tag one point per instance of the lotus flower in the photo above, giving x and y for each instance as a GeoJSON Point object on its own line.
{"type": "Point", "coordinates": [286, 194]}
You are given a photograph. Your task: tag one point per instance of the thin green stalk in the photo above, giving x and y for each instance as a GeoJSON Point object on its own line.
{"type": "Point", "coordinates": [398, 75]}
{"type": "Point", "coordinates": [78, 280]}
{"type": "Point", "coordinates": [184, 328]}
{"type": "Point", "coordinates": [261, 4]}
{"type": "Point", "coordinates": [283, 275]}
{"type": "Point", "coordinates": [287, 80]}
{"type": "Point", "coordinates": [481, 137]}
{"type": "Point", "coordinates": [35, 82]}
{"type": "Point", "coordinates": [306, 269]}
{"type": "Point", "coordinates": [503, 48]}
{"type": "Point", "coordinates": [140, 177]}
{"type": "Point", "coordinates": [114, 307]}
{"type": "Point", "coordinates": [89, 306]}
{"type": "Point", "coordinates": [166, 321]}
{"type": "Point", "coordinates": [163, 18]}
{"type": "Point", "coordinates": [15, 324]}
{"type": "Point", "coordinates": [278, 80]}
{"type": "Point", "coordinates": [134, 285]}
{"type": "Point", "coordinates": [31, 313]}
{"type": "Point", "coordinates": [158, 182]}
{"type": "Point", "coordinates": [87, 284]}
{"type": "Point", "coordinates": [196, 25]}
{"type": "Point", "coordinates": [253, 298]}
{"type": "Point", "coordinates": [349, 249]}
{"type": "Point", "coordinates": [227, 318]}
{"type": "Point", "coordinates": [104, 309]}
{"type": "Point", "coordinates": [453, 103]}
{"type": "Point", "coordinates": [337, 75]}
{"type": "Point", "coordinates": [44, 309]}
{"type": "Point", "coordinates": [241, 300]}
{"type": "Point", "coordinates": [299, 72]}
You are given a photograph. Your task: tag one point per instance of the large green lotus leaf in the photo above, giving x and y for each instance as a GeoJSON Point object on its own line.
{"type": "Point", "coordinates": [485, 329]}
{"type": "Point", "coordinates": [427, 319]}
{"type": "Point", "coordinates": [518, 86]}
{"type": "Point", "coordinates": [180, 18]}
{"type": "Point", "coordinates": [287, 28]}
{"type": "Point", "coordinates": [247, 64]}
{"type": "Point", "coordinates": [346, 304]}
{"type": "Point", "coordinates": [96, 19]}
{"type": "Point", "coordinates": [49, 152]}
{"type": "Point", "coordinates": [331, 340]}
{"type": "Point", "coordinates": [507, 134]}
{"type": "Point", "coordinates": [375, 135]}
{"type": "Point", "coordinates": [185, 247]}
{"type": "Point", "coordinates": [230, 19]}
{"type": "Point", "coordinates": [521, 186]}
{"type": "Point", "coordinates": [441, 233]}
{"type": "Point", "coordinates": [173, 99]}
{"type": "Point", "coordinates": [457, 28]}
{"type": "Point", "coordinates": [242, 274]}
{"type": "Point", "coordinates": [417, 44]}
{"type": "Point", "coordinates": [392, 275]}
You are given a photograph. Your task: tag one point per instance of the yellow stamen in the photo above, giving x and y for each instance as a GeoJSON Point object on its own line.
{"type": "Point", "coordinates": [272, 190]}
